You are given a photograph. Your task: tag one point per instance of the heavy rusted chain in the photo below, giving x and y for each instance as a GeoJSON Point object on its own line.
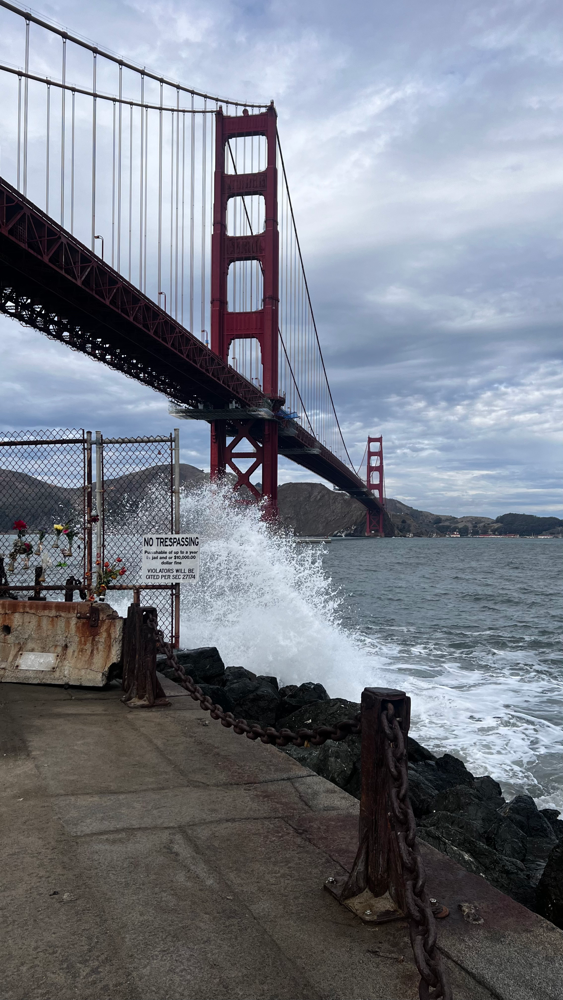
{"type": "Point", "coordinates": [433, 984]}
{"type": "Point", "coordinates": [277, 737]}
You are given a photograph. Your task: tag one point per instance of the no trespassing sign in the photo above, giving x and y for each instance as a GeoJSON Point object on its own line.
{"type": "Point", "coordinates": [170, 559]}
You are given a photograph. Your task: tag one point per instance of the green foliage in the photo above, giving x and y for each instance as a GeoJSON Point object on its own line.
{"type": "Point", "coordinates": [463, 530]}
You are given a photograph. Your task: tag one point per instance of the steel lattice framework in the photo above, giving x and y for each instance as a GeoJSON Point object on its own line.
{"type": "Point", "coordinates": [53, 283]}
{"type": "Point", "coordinates": [117, 187]}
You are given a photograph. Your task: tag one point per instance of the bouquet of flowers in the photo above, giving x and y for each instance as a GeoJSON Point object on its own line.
{"type": "Point", "coordinates": [59, 530]}
{"type": "Point", "coordinates": [20, 547]}
{"type": "Point", "coordinates": [106, 574]}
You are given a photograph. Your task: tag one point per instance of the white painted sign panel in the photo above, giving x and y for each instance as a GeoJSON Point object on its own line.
{"type": "Point", "coordinates": [37, 661]}
{"type": "Point", "coordinates": [170, 559]}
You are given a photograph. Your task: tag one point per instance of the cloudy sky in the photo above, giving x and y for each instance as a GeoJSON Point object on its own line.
{"type": "Point", "coordinates": [423, 145]}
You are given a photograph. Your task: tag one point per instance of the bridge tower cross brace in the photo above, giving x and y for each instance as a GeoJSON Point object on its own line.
{"type": "Point", "coordinates": [257, 438]}
{"type": "Point", "coordinates": [374, 482]}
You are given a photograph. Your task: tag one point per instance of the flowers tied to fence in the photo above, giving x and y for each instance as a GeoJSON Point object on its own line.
{"type": "Point", "coordinates": [20, 547]}
{"type": "Point", "coordinates": [23, 547]}
{"type": "Point", "coordinates": [106, 574]}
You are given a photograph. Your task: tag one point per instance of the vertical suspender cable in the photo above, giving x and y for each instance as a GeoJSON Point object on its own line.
{"type": "Point", "coordinates": [72, 117]}
{"type": "Point", "coordinates": [183, 216]}
{"type": "Point", "coordinates": [130, 190]}
{"type": "Point", "coordinates": [176, 120]}
{"type": "Point", "coordinates": [18, 168]}
{"type": "Point", "coordinates": [192, 221]}
{"type": "Point", "coordinates": [119, 148]}
{"type": "Point", "coordinates": [25, 107]}
{"type": "Point", "coordinates": [63, 131]}
{"type": "Point", "coordinates": [48, 149]}
{"type": "Point", "coordinates": [146, 211]}
{"type": "Point", "coordinates": [94, 129]}
{"type": "Point", "coordinates": [113, 187]}
{"type": "Point", "coordinates": [141, 166]}
{"type": "Point", "coordinates": [203, 209]}
{"type": "Point", "coordinates": [159, 237]}
{"type": "Point", "coordinates": [171, 257]}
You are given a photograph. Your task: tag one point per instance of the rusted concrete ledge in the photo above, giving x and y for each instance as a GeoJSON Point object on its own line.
{"type": "Point", "coordinates": [154, 855]}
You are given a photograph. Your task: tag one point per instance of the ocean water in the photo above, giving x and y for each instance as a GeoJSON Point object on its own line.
{"type": "Point", "coordinates": [469, 628]}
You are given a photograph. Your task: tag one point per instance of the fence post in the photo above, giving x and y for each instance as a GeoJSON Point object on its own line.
{"type": "Point", "coordinates": [37, 586]}
{"type": "Point", "coordinates": [141, 686]}
{"type": "Point", "coordinates": [376, 879]}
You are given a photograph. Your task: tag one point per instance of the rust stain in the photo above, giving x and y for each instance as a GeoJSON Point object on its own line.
{"type": "Point", "coordinates": [84, 650]}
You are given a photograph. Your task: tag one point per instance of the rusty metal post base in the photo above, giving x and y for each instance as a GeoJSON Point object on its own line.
{"type": "Point", "coordinates": [369, 908]}
{"type": "Point", "coordinates": [141, 685]}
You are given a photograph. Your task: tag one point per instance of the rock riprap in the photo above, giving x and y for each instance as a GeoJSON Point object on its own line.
{"type": "Point", "coordinates": [464, 816]}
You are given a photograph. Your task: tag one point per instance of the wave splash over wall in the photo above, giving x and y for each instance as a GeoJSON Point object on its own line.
{"type": "Point", "coordinates": [263, 598]}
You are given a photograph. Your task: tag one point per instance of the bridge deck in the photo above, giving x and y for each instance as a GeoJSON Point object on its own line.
{"type": "Point", "coordinates": [53, 283]}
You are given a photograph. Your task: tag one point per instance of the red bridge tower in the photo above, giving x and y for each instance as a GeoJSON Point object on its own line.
{"type": "Point", "coordinates": [256, 437]}
{"type": "Point", "coordinates": [374, 481]}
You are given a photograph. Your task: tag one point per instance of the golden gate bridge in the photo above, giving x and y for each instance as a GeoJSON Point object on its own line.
{"type": "Point", "coordinates": [150, 226]}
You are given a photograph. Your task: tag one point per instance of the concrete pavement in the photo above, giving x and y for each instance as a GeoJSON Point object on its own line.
{"type": "Point", "coordinates": [154, 855]}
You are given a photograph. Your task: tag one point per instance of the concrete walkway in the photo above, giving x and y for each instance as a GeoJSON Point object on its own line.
{"type": "Point", "coordinates": [154, 855]}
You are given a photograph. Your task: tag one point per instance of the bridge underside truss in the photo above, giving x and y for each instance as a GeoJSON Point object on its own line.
{"type": "Point", "coordinates": [54, 284]}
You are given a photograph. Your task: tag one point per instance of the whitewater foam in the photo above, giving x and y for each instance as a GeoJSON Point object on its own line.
{"type": "Point", "coordinates": [268, 603]}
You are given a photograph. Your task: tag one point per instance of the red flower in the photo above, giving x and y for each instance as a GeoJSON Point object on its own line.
{"type": "Point", "coordinates": [20, 525]}
{"type": "Point", "coordinates": [119, 560]}
{"type": "Point", "coordinates": [122, 571]}
{"type": "Point", "coordinates": [106, 564]}
{"type": "Point", "coordinates": [98, 561]}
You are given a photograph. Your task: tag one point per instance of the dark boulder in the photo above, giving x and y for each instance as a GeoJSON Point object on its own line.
{"type": "Point", "coordinates": [255, 700]}
{"type": "Point", "coordinates": [509, 840]}
{"type": "Point", "coordinates": [490, 827]}
{"type": "Point", "coordinates": [337, 762]}
{"type": "Point", "coordinates": [294, 697]}
{"type": "Point", "coordinates": [453, 770]}
{"type": "Point", "coordinates": [271, 680]}
{"type": "Point", "coordinates": [421, 791]}
{"type": "Point", "coordinates": [506, 874]}
{"type": "Point", "coordinates": [550, 888]}
{"type": "Point", "coordinates": [321, 713]}
{"type": "Point", "coordinates": [524, 813]}
{"type": "Point", "coordinates": [219, 696]}
{"type": "Point", "coordinates": [417, 754]}
{"type": "Point", "coordinates": [233, 674]}
{"type": "Point", "coordinates": [490, 790]}
{"type": "Point", "coordinates": [556, 824]}
{"type": "Point", "coordinates": [432, 775]}
{"type": "Point", "coordinates": [204, 665]}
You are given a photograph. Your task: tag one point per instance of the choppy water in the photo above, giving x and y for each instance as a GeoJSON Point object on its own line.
{"type": "Point", "coordinates": [470, 628]}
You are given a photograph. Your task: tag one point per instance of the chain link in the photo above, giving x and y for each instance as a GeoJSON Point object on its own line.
{"type": "Point", "coordinates": [433, 984]}
{"type": "Point", "coordinates": [277, 737]}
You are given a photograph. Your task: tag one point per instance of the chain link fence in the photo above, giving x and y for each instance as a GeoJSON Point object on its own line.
{"type": "Point", "coordinates": [71, 501]}
{"type": "Point", "coordinates": [138, 493]}
{"type": "Point", "coordinates": [43, 522]}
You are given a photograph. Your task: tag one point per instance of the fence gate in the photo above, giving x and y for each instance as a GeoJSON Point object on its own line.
{"type": "Point", "coordinates": [80, 501]}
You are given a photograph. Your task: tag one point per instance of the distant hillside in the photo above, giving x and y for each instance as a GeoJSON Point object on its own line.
{"type": "Point", "coordinates": [314, 509]}
{"type": "Point", "coordinates": [41, 504]}
{"type": "Point", "coordinates": [307, 508]}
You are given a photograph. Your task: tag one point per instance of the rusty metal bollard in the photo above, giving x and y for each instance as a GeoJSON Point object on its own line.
{"type": "Point", "coordinates": [141, 686]}
{"type": "Point", "coordinates": [387, 881]}
{"type": "Point", "coordinates": [374, 890]}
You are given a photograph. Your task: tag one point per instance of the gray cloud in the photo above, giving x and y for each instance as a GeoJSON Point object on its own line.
{"type": "Point", "coordinates": [423, 147]}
